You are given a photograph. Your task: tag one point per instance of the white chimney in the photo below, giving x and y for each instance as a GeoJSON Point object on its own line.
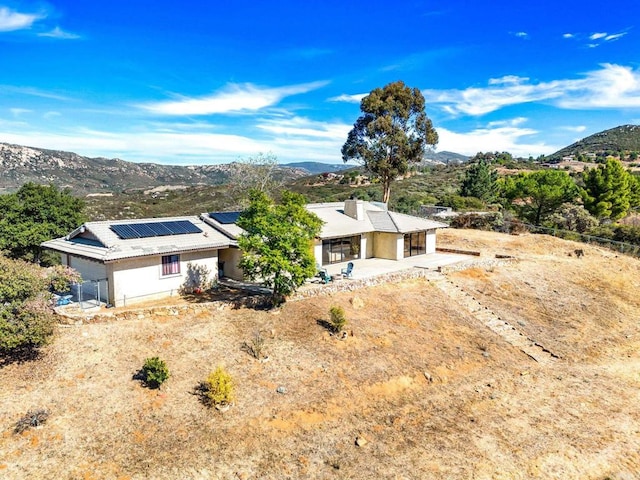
{"type": "Point", "coordinates": [354, 209]}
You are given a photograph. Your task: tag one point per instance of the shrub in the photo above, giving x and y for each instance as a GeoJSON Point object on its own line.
{"type": "Point", "coordinates": [218, 388]}
{"type": "Point", "coordinates": [33, 418]}
{"type": "Point", "coordinates": [154, 372]}
{"type": "Point", "coordinates": [337, 318]}
{"type": "Point", "coordinates": [255, 347]}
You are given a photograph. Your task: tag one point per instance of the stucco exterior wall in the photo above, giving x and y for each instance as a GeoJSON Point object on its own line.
{"type": "Point", "coordinates": [140, 279]}
{"type": "Point", "coordinates": [366, 245]}
{"type": "Point", "coordinates": [231, 257]}
{"type": "Point", "coordinates": [388, 245]}
{"type": "Point", "coordinates": [431, 241]}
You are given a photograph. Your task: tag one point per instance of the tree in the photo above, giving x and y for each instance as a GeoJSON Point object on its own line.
{"type": "Point", "coordinates": [480, 181]}
{"type": "Point", "coordinates": [26, 317]}
{"type": "Point", "coordinates": [34, 214]}
{"type": "Point", "coordinates": [539, 194]}
{"type": "Point", "coordinates": [259, 172]}
{"type": "Point", "coordinates": [609, 190]}
{"type": "Point", "coordinates": [277, 241]}
{"type": "Point", "coordinates": [392, 132]}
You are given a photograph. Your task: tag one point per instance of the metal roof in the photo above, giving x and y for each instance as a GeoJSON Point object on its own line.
{"type": "Point", "coordinates": [96, 240]}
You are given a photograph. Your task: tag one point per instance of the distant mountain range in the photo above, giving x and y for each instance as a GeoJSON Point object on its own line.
{"type": "Point", "coordinates": [625, 138]}
{"type": "Point", "coordinates": [83, 175]}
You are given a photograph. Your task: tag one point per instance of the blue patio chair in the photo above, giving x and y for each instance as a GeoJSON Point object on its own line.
{"type": "Point", "coordinates": [324, 276]}
{"type": "Point", "coordinates": [347, 272]}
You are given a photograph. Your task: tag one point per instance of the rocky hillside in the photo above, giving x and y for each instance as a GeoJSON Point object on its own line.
{"type": "Point", "coordinates": [625, 138]}
{"type": "Point", "coordinates": [84, 175]}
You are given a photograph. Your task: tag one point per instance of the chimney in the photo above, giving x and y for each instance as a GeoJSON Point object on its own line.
{"type": "Point", "coordinates": [354, 209]}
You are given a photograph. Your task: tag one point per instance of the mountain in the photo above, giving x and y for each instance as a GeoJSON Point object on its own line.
{"type": "Point", "coordinates": [445, 157]}
{"type": "Point", "coordinates": [316, 167]}
{"type": "Point", "coordinates": [85, 175]}
{"type": "Point", "coordinates": [625, 138]}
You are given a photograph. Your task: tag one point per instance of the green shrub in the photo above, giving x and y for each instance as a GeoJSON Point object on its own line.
{"type": "Point", "coordinates": [154, 372]}
{"type": "Point", "coordinates": [337, 318]}
{"type": "Point", "coordinates": [218, 388]}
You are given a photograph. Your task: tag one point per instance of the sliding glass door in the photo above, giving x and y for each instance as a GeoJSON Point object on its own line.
{"type": "Point", "coordinates": [415, 244]}
{"type": "Point", "coordinates": [337, 250]}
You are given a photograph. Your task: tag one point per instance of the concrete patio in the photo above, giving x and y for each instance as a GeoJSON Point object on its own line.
{"type": "Point", "coordinates": [372, 267]}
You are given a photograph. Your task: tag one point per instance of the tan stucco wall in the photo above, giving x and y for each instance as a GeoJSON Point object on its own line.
{"type": "Point", "coordinates": [140, 279]}
{"type": "Point", "coordinates": [231, 257]}
{"type": "Point", "coordinates": [388, 245]}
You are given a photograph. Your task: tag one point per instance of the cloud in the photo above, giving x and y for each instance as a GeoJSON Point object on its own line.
{"type": "Point", "coordinates": [615, 36]}
{"type": "Point", "coordinates": [521, 34]}
{"type": "Point", "coordinates": [568, 35]}
{"type": "Point", "coordinates": [304, 127]}
{"type": "Point", "coordinates": [59, 33]}
{"type": "Point", "coordinates": [10, 20]}
{"type": "Point", "coordinates": [356, 98]}
{"type": "Point", "coordinates": [613, 86]}
{"type": "Point", "coordinates": [30, 91]}
{"type": "Point", "coordinates": [233, 98]}
{"type": "Point", "coordinates": [596, 36]}
{"type": "Point", "coordinates": [576, 129]}
{"type": "Point", "coordinates": [489, 139]}
{"type": "Point", "coordinates": [17, 112]}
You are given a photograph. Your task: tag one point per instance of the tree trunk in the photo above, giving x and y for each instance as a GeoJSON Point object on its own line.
{"type": "Point", "coordinates": [386, 190]}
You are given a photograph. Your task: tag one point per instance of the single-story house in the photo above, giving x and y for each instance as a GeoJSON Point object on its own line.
{"type": "Point", "coordinates": [145, 259]}
{"type": "Point", "coordinates": [352, 230]}
{"type": "Point", "coordinates": [139, 260]}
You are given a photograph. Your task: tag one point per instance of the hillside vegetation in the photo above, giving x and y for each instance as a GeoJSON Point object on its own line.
{"type": "Point", "coordinates": [625, 139]}
{"type": "Point", "coordinates": [420, 388]}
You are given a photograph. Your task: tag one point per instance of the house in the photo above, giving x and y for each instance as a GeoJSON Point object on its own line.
{"type": "Point", "coordinates": [352, 230]}
{"type": "Point", "coordinates": [147, 259]}
{"type": "Point", "coordinates": [357, 229]}
{"type": "Point", "coordinates": [139, 260]}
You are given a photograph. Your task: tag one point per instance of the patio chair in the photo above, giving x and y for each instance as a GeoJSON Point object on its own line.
{"type": "Point", "coordinates": [324, 276]}
{"type": "Point", "coordinates": [347, 272]}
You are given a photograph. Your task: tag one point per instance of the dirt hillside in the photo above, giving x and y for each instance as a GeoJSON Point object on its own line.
{"type": "Point", "coordinates": [427, 389]}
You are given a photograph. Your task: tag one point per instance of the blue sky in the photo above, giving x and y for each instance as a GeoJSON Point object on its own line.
{"type": "Point", "coordinates": [195, 82]}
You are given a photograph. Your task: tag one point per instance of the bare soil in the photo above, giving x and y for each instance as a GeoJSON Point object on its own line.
{"type": "Point", "coordinates": [428, 391]}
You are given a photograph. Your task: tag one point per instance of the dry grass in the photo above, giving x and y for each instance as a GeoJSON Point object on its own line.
{"type": "Point", "coordinates": [489, 411]}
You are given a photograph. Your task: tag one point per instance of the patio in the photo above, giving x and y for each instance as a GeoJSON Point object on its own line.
{"type": "Point", "coordinates": [372, 267]}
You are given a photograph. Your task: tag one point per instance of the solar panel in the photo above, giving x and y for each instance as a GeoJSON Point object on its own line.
{"type": "Point", "coordinates": [124, 231]}
{"type": "Point", "coordinates": [128, 231]}
{"type": "Point", "coordinates": [225, 217]}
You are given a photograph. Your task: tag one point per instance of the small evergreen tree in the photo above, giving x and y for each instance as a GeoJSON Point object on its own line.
{"type": "Point", "coordinates": [609, 190]}
{"type": "Point", "coordinates": [480, 181]}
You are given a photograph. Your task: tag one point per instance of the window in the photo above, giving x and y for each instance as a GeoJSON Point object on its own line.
{"type": "Point", "coordinates": [337, 250]}
{"type": "Point", "coordinates": [415, 244]}
{"type": "Point", "coordinates": [170, 265]}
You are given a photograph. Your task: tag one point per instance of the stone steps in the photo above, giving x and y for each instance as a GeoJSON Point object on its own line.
{"type": "Point", "coordinates": [492, 321]}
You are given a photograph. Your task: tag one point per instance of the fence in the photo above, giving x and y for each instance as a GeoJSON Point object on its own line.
{"type": "Point", "coordinates": [90, 293]}
{"type": "Point", "coordinates": [622, 247]}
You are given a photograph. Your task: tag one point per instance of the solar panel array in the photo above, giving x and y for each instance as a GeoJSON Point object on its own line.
{"type": "Point", "coordinates": [225, 217]}
{"type": "Point", "coordinates": [128, 231]}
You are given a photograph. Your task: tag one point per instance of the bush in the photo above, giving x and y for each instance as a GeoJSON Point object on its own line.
{"type": "Point", "coordinates": [337, 318]}
{"type": "Point", "coordinates": [255, 347]}
{"type": "Point", "coordinates": [154, 372]}
{"type": "Point", "coordinates": [33, 418]}
{"type": "Point", "coordinates": [218, 388]}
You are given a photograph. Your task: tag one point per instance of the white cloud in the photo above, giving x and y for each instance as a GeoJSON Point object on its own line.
{"type": "Point", "coordinates": [521, 34]}
{"type": "Point", "coordinates": [34, 92]}
{"type": "Point", "coordinates": [613, 86]}
{"type": "Point", "coordinates": [568, 35]}
{"type": "Point", "coordinates": [11, 20]}
{"type": "Point", "coordinates": [233, 98]}
{"type": "Point", "coordinates": [503, 139]}
{"type": "Point", "coordinates": [508, 80]}
{"type": "Point", "coordinates": [304, 127]}
{"type": "Point", "coordinates": [513, 122]}
{"type": "Point", "coordinates": [59, 33]}
{"type": "Point", "coordinates": [355, 98]}
{"type": "Point", "coordinates": [16, 112]}
{"type": "Point", "coordinates": [615, 36]}
{"type": "Point", "coordinates": [576, 129]}
{"type": "Point", "coordinates": [596, 36]}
